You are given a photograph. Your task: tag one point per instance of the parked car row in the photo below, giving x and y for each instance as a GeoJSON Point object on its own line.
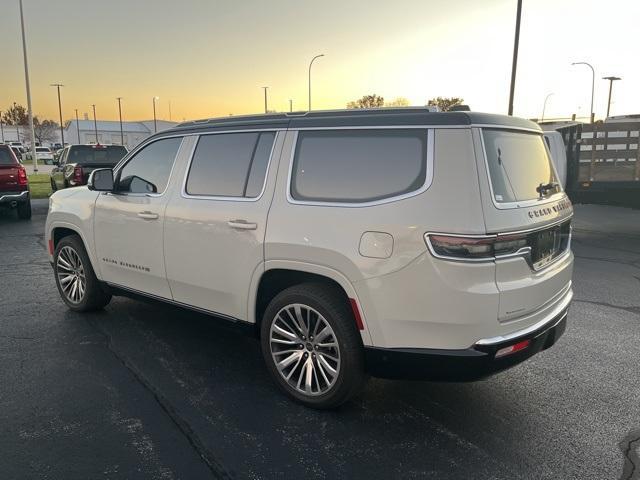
{"type": "Point", "coordinates": [396, 242]}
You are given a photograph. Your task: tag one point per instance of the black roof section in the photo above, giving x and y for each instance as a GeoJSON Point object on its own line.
{"type": "Point", "coordinates": [353, 117]}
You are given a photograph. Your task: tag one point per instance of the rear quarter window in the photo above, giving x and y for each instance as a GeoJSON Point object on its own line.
{"type": "Point", "coordinates": [358, 166]}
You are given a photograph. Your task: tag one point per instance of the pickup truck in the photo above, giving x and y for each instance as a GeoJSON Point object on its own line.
{"type": "Point", "coordinates": [14, 184]}
{"type": "Point", "coordinates": [76, 162]}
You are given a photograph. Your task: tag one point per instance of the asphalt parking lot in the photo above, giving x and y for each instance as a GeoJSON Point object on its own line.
{"type": "Point", "coordinates": [146, 391]}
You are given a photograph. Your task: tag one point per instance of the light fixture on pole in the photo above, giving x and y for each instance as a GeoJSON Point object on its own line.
{"type": "Point", "coordinates": [593, 86]}
{"type": "Point", "coordinates": [544, 106]}
{"type": "Point", "coordinates": [77, 126]}
{"type": "Point", "coordinates": [26, 81]}
{"type": "Point", "coordinates": [120, 115]}
{"type": "Point", "coordinates": [514, 63]}
{"type": "Point", "coordinates": [611, 80]}
{"type": "Point", "coordinates": [265, 98]}
{"type": "Point", "coordinates": [58, 85]}
{"type": "Point", "coordinates": [155, 124]}
{"type": "Point", "coordinates": [95, 124]}
{"type": "Point", "coordinates": [310, 64]}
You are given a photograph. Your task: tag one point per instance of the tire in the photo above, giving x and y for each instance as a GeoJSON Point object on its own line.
{"type": "Point", "coordinates": [321, 305]}
{"type": "Point", "coordinates": [24, 210]}
{"type": "Point", "coordinates": [70, 260]}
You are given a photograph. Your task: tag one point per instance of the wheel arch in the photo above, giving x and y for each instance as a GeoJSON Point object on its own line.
{"type": "Point", "coordinates": [279, 275]}
{"type": "Point", "coordinates": [60, 230]}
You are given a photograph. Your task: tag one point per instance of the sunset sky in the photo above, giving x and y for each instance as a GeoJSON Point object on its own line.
{"type": "Point", "coordinates": [210, 58]}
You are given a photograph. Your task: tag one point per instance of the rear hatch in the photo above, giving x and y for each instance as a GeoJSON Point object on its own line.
{"type": "Point", "coordinates": [93, 157]}
{"type": "Point", "coordinates": [8, 172]}
{"type": "Point", "coordinates": [525, 207]}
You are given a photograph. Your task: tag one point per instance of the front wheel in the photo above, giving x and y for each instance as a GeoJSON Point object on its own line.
{"type": "Point", "coordinates": [77, 283]}
{"type": "Point", "coordinates": [311, 345]}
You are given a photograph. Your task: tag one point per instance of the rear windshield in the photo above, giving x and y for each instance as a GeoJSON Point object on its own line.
{"type": "Point", "coordinates": [6, 158]}
{"type": "Point", "coordinates": [43, 149]}
{"type": "Point", "coordinates": [96, 155]}
{"type": "Point", "coordinates": [519, 166]}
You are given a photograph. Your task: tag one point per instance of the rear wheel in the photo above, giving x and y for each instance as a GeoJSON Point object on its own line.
{"type": "Point", "coordinates": [312, 347]}
{"type": "Point", "coordinates": [75, 278]}
{"type": "Point", "coordinates": [24, 210]}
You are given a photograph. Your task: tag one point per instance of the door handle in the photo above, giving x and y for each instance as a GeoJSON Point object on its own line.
{"type": "Point", "coordinates": [242, 225]}
{"type": "Point", "coordinates": [148, 215]}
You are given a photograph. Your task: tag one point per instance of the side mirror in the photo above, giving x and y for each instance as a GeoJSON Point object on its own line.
{"type": "Point", "coordinates": [101, 180]}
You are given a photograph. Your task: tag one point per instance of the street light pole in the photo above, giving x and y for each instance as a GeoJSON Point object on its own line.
{"type": "Point", "coordinates": [514, 64]}
{"type": "Point", "coordinates": [290, 105]}
{"type": "Point", "coordinates": [611, 80]}
{"type": "Point", "coordinates": [593, 85]}
{"type": "Point", "coordinates": [544, 106]}
{"type": "Point", "coordinates": [95, 124]}
{"type": "Point", "coordinates": [265, 98]}
{"type": "Point", "coordinates": [77, 126]}
{"type": "Point", "coordinates": [1, 127]}
{"type": "Point", "coordinates": [26, 80]}
{"type": "Point", "coordinates": [155, 125]}
{"type": "Point", "coordinates": [120, 115]}
{"type": "Point", "coordinates": [58, 85]}
{"type": "Point", "coordinates": [311, 63]}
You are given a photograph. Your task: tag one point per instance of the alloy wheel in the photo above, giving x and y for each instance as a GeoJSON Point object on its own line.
{"type": "Point", "coordinates": [71, 275]}
{"type": "Point", "coordinates": [304, 349]}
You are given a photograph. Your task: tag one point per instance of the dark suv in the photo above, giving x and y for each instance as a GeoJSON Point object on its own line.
{"type": "Point", "coordinates": [14, 184]}
{"type": "Point", "coordinates": [76, 162]}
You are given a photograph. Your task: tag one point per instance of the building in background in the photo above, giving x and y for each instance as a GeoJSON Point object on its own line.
{"type": "Point", "coordinates": [109, 131]}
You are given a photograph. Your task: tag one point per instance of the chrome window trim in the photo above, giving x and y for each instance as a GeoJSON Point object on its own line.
{"type": "Point", "coordinates": [428, 174]}
{"type": "Point", "coordinates": [183, 190]}
{"type": "Point", "coordinates": [127, 158]}
{"type": "Point", "coordinates": [522, 204]}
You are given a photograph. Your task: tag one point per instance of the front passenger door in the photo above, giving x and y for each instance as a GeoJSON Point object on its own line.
{"type": "Point", "coordinates": [129, 222]}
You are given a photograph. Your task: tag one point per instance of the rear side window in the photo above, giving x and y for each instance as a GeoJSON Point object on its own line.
{"type": "Point", "coordinates": [149, 169]}
{"type": "Point", "coordinates": [96, 155]}
{"type": "Point", "coordinates": [6, 158]}
{"type": "Point", "coordinates": [230, 164]}
{"type": "Point", "coordinates": [355, 166]}
{"type": "Point", "coordinates": [518, 166]}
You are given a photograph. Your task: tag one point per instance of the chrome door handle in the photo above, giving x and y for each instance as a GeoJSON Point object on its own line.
{"type": "Point", "coordinates": [148, 215]}
{"type": "Point", "coordinates": [242, 225]}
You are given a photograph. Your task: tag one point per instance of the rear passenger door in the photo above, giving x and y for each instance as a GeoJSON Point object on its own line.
{"type": "Point", "coordinates": [215, 226]}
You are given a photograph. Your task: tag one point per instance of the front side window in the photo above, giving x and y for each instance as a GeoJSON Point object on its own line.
{"type": "Point", "coordinates": [519, 166]}
{"type": "Point", "coordinates": [355, 166]}
{"type": "Point", "coordinates": [148, 170]}
{"type": "Point", "coordinates": [230, 164]}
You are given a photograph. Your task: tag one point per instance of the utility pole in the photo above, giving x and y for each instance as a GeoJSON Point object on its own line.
{"type": "Point", "coordinates": [95, 124]}
{"type": "Point", "coordinates": [1, 127]}
{"type": "Point", "coordinates": [155, 124]}
{"type": "Point", "coordinates": [514, 64]}
{"type": "Point", "coordinates": [26, 81]}
{"type": "Point", "coordinates": [290, 105]}
{"type": "Point", "coordinates": [58, 85]}
{"type": "Point", "coordinates": [265, 98]}
{"type": "Point", "coordinates": [120, 115]}
{"type": "Point", "coordinates": [77, 126]}
{"type": "Point", "coordinates": [611, 80]}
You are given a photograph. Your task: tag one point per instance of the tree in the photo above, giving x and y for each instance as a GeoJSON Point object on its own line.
{"type": "Point", "coordinates": [45, 131]}
{"type": "Point", "coordinates": [398, 102]}
{"type": "Point", "coordinates": [16, 115]}
{"type": "Point", "coordinates": [367, 101]}
{"type": "Point", "coordinates": [444, 103]}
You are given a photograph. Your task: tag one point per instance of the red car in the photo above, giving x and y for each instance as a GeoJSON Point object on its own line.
{"type": "Point", "coordinates": [14, 184]}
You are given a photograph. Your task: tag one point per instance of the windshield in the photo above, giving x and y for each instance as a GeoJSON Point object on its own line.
{"type": "Point", "coordinates": [519, 166]}
{"type": "Point", "coordinates": [98, 155]}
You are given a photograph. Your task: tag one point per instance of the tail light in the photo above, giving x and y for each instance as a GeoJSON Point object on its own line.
{"type": "Point", "coordinates": [22, 176]}
{"type": "Point", "coordinates": [476, 248]}
{"type": "Point", "coordinates": [78, 178]}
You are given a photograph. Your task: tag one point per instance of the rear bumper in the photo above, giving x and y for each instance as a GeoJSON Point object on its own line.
{"type": "Point", "coordinates": [8, 197]}
{"type": "Point", "coordinates": [463, 365]}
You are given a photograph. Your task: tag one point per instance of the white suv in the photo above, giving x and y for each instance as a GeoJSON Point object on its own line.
{"type": "Point", "coordinates": [396, 242]}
